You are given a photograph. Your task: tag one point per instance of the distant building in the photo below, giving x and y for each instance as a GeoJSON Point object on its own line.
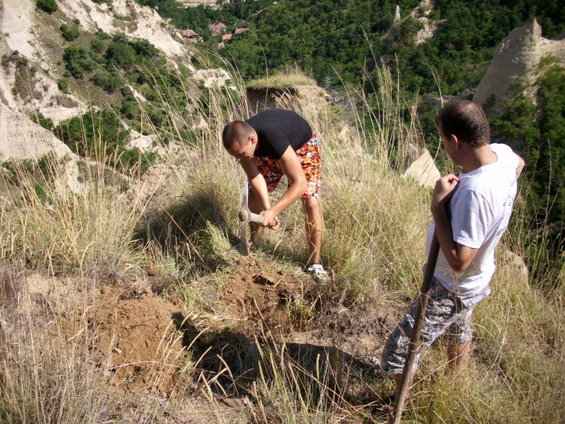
{"type": "Point", "coordinates": [240, 30]}
{"type": "Point", "coordinates": [190, 36]}
{"type": "Point", "coordinates": [227, 37]}
{"type": "Point", "coordinates": [217, 28]}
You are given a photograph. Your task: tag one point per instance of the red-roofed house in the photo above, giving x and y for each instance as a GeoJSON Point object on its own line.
{"type": "Point", "coordinates": [240, 30]}
{"type": "Point", "coordinates": [217, 28]}
{"type": "Point", "coordinates": [190, 36]}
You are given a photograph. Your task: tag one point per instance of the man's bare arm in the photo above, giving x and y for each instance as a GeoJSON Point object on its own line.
{"type": "Point", "coordinates": [458, 256]}
{"type": "Point", "coordinates": [520, 166]}
{"type": "Point", "coordinates": [257, 182]}
{"type": "Point", "coordinates": [292, 168]}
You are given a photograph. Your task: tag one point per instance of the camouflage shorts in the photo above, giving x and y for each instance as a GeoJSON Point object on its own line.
{"type": "Point", "coordinates": [445, 314]}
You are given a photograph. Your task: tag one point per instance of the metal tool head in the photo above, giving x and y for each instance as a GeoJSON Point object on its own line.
{"type": "Point", "coordinates": [245, 217]}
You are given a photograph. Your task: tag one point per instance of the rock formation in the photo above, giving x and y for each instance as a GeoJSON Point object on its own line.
{"type": "Point", "coordinates": [423, 169]}
{"type": "Point", "coordinates": [420, 13]}
{"type": "Point", "coordinates": [514, 62]}
{"type": "Point", "coordinates": [21, 138]}
{"type": "Point", "coordinates": [29, 35]}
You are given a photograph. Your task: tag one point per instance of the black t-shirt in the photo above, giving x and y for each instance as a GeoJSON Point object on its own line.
{"type": "Point", "coordinates": [277, 129]}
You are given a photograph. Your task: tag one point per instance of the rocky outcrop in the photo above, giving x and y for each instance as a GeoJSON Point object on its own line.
{"type": "Point", "coordinates": [514, 63]}
{"type": "Point", "coordinates": [21, 138]}
{"type": "Point", "coordinates": [212, 78]}
{"type": "Point", "coordinates": [127, 17]}
{"type": "Point", "coordinates": [429, 27]}
{"type": "Point", "coordinates": [309, 97]}
{"type": "Point", "coordinates": [423, 169]}
{"type": "Point", "coordinates": [29, 41]}
{"type": "Point", "coordinates": [28, 92]}
{"type": "Point", "coordinates": [420, 13]}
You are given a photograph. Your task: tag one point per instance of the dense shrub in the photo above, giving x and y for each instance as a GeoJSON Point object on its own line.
{"type": "Point", "coordinates": [121, 53]}
{"type": "Point", "coordinates": [97, 45]}
{"type": "Point", "coordinates": [135, 159]}
{"type": "Point", "coordinates": [70, 32]}
{"type": "Point", "coordinates": [101, 35]}
{"type": "Point", "coordinates": [63, 85]}
{"type": "Point", "coordinates": [109, 81]}
{"type": "Point", "coordinates": [92, 133]}
{"type": "Point", "coordinates": [48, 6]}
{"type": "Point", "coordinates": [144, 48]}
{"type": "Point", "coordinates": [45, 122]}
{"type": "Point", "coordinates": [78, 60]}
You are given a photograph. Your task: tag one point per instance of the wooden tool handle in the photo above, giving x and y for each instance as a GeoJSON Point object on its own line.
{"type": "Point", "coordinates": [415, 341]}
{"type": "Point", "coordinates": [245, 215]}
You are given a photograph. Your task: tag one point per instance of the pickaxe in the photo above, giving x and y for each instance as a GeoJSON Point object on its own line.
{"type": "Point", "coordinates": [245, 217]}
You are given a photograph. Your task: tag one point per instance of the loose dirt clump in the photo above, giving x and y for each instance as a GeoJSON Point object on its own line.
{"type": "Point", "coordinates": [261, 296]}
{"type": "Point", "coordinates": [259, 306]}
{"type": "Point", "coordinates": [134, 338]}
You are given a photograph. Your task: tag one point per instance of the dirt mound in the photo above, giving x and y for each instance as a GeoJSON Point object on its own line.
{"type": "Point", "coordinates": [261, 295]}
{"type": "Point", "coordinates": [134, 338]}
{"type": "Point", "coordinates": [140, 341]}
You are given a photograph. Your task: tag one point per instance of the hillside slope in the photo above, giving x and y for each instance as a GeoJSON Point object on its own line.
{"type": "Point", "coordinates": [126, 300]}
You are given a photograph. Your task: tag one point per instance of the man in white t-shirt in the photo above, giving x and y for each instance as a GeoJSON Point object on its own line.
{"type": "Point", "coordinates": [470, 213]}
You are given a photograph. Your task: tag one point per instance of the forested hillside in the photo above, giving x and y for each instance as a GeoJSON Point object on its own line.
{"type": "Point", "coordinates": [343, 39]}
{"type": "Point", "coordinates": [440, 47]}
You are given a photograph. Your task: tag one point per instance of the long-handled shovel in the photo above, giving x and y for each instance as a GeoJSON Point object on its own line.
{"type": "Point", "coordinates": [415, 339]}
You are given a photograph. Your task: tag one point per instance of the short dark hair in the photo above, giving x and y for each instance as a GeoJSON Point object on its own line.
{"type": "Point", "coordinates": [235, 131]}
{"type": "Point", "coordinates": [467, 121]}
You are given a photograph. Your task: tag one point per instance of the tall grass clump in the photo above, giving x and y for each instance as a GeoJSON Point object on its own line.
{"type": "Point", "coordinates": [516, 374]}
{"type": "Point", "coordinates": [293, 391]}
{"type": "Point", "coordinates": [60, 231]}
{"type": "Point", "coordinates": [42, 378]}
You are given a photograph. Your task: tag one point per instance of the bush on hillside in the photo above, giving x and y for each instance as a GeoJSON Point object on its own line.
{"type": "Point", "coordinates": [42, 120]}
{"type": "Point", "coordinates": [78, 61]}
{"type": "Point", "coordinates": [48, 6]}
{"type": "Point", "coordinates": [144, 48]}
{"type": "Point", "coordinates": [94, 132]}
{"type": "Point", "coordinates": [63, 85]}
{"type": "Point", "coordinates": [109, 81]}
{"type": "Point", "coordinates": [70, 32]}
{"type": "Point", "coordinates": [120, 53]}
{"type": "Point", "coordinates": [97, 45]}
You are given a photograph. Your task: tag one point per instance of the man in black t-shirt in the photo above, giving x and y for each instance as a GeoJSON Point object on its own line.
{"type": "Point", "coordinates": [272, 144]}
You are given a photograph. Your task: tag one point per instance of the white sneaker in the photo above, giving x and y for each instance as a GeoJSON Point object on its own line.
{"type": "Point", "coordinates": [318, 272]}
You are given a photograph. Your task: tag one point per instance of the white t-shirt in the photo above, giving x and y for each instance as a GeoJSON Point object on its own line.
{"type": "Point", "coordinates": [480, 211]}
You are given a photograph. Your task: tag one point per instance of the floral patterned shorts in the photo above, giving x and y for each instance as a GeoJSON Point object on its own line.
{"type": "Point", "coordinates": [309, 155]}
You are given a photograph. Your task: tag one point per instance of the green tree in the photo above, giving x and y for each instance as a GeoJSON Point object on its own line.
{"type": "Point", "coordinates": [78, 61]}
{"type": "Point", "coordinates": [70, 32]}
{"type": "Point", "coordinates": [120, 53]}
{"type": "Point", "coordinates": [48, 6]}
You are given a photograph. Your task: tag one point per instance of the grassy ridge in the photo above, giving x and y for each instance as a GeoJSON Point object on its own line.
{"type": "Point", "coordinates": [374, 224]}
